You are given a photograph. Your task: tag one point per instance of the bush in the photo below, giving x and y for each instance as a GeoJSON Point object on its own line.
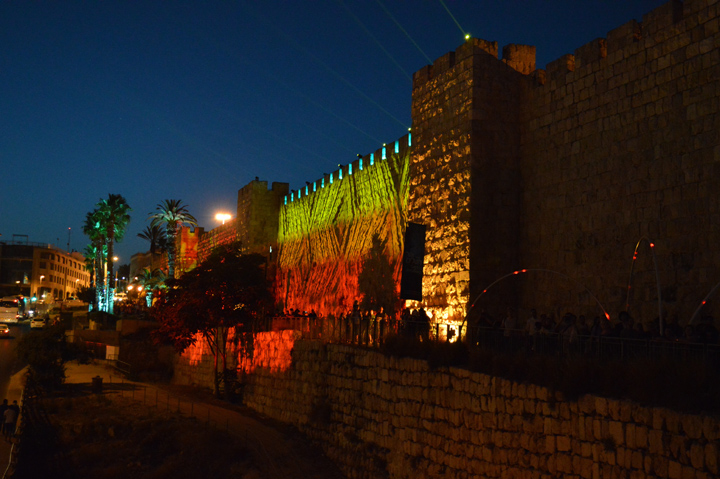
{"type": "Point", "coordinates": [45, 352]}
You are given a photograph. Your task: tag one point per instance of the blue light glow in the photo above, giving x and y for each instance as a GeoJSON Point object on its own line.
{"type": "Point", "coordinates": [340, 174]}
{"type": "Point", "coordinates": [360, 164]}
{"type": "Point", "coordinates": [314, 186]}
{"type": "Point", "coordinates": [372, 159]}
{"type": "Point", "coordinates": [384, 155]}
{"type": "Point", "coordinates": [331, 178]}
{"type": "Point", "coordinates": [409, 139]}
{"type": "Point", "coordinates": [397, 146]}
{"type": "Point", "coordinates": [350, 169]}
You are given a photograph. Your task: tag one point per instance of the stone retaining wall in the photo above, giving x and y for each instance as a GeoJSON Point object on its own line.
{"type": "Point", "coordinates": [385, 417]}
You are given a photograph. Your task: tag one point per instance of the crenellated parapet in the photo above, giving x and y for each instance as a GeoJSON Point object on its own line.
{"type": "Point", "coordinates": [399, 147]}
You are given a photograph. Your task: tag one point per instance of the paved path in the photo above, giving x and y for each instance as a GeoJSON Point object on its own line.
{"type": "Point", "coordinates": [279, 451]}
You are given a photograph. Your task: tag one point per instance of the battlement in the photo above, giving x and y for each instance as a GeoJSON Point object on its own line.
{"type": "Point", "coordinates": [399, 147]}
{"type": "Point", "coordinates": [448, 61]}
{"type": "Point", "coordinates": [262, 185]}
{"type": "Point", "coordinates": [669, 20]}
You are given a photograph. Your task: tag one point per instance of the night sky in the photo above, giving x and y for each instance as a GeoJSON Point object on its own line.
{"type": "Point", "coordinates": [193, 100]}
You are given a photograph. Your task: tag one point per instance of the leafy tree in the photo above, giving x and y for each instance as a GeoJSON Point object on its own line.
{"type": "Point", "coordinates": [226, 292]}
{"type": "Point", "coordinates": [376, 281]}
{"type": "Point", "coordinates": [172, 214]}
{"type": "Point", "coordinates": [115, 214]}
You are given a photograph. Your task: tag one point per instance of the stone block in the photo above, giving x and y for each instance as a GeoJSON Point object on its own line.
{"type": "Point", "coordinates": [617, 432]}
{"type": "Point", "coordinates": [655, 442]}
{"type": "Point", "coordinates": [711, 458]}
{"type": "Point", "coordinates": [601, 406]}
{"type": "Point", "coordinates": [692, 425]}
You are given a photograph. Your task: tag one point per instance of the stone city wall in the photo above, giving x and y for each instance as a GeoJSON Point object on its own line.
{"type": "Point", "coordinates": [621, 141]}
{"type": "Point", "coordinates": [326, 230]}
{"type": "Point", "coordinates": [566, 169]}
{"type": "Point", "coordinates": [384, 417]}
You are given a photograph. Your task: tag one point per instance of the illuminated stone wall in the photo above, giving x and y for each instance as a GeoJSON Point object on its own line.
{"type": "Point", "coordinates": [326, 229]}
{"type": "Point", "coordinates": [186, 252]}
{"type": "Point", "coordinates": [257, 214]}
{"type": "Point", "coordinates": [566, 169]}
{"type": "Point", "coordinates": [223, 234]}
{"type": "Point", "coordinates": [562, 170]}
{"type": "Point", "coordinates": [464, 172]}
{"type": "Point", "coordinates": [255, 224]}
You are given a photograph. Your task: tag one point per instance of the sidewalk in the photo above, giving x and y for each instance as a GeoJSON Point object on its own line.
{"type": "Point", "coordinates": [278, 450]}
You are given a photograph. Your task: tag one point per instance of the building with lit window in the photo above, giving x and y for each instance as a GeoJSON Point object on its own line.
{"type": "Point", "coordinates": [37, 269]}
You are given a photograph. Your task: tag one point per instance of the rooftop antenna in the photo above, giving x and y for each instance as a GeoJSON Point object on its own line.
{"type": "Point", "coordinates": [68, 246]}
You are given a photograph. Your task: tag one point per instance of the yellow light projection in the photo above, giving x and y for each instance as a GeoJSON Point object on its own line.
{"type": "Point", "coordinates": [324, 236]}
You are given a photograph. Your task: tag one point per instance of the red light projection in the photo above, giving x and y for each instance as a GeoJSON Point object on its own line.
{"type": "Point", "coordinates": [271, 350]}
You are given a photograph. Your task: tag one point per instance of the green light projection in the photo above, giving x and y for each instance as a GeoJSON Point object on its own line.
{"type": "Point", "coordinates": [324, 237]}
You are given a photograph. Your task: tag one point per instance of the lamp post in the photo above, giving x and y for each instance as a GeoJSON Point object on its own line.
{"type": "Point", "coordinates": [222, 217]}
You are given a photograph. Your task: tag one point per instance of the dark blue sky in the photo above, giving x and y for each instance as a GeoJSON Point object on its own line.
{"type": "Point", "coordinates": [192, 100]}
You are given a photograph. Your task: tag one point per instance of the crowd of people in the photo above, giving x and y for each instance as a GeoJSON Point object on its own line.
{"type": "Point", "coordinates": [544, 332]}
{"type": "Point", "coordinates": [366, 326]}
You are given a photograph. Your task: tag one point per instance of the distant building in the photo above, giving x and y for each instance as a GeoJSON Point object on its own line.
{"type": "Point", "coordinates": [37, 269]}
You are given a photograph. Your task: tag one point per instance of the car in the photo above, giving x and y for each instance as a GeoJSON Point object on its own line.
{"type": "Point", "coordinates": [37, 323]}
{"type": "Point", "coordinates": [4, 331]}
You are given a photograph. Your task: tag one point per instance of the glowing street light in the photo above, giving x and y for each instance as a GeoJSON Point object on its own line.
{"type": "Point", "coordinates": [222, 217]}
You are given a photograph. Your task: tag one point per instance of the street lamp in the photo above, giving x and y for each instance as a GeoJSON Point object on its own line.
{"type": "Point", "coordinates": [223, 217]}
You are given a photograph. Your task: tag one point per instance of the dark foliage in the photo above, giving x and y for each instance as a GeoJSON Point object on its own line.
{"type": "Point", "coordinates": [45, 351]}
{"type": "Point", "coordinates": [376, 282]}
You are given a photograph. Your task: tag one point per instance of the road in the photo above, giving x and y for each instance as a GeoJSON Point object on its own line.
{"type": "Point", "coordinates": [8, 361]}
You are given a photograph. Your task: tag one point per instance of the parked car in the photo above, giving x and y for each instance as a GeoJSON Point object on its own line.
{"type": "Point", "coordinates": [4, 331]}
{"type": "Point", "coordinates": [37, 323]}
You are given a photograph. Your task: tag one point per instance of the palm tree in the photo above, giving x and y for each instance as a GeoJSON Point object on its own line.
{"type": "Point", "coordinates": [94, 229]}
{"type": "Point", "coordinates": [151, 281]}
{"type": "Point", "coordinates": [172, 214]}
{"type": "Point", "coordinates": [115, 211]}
{"type": "Point", "coordinates": [158, 243]}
